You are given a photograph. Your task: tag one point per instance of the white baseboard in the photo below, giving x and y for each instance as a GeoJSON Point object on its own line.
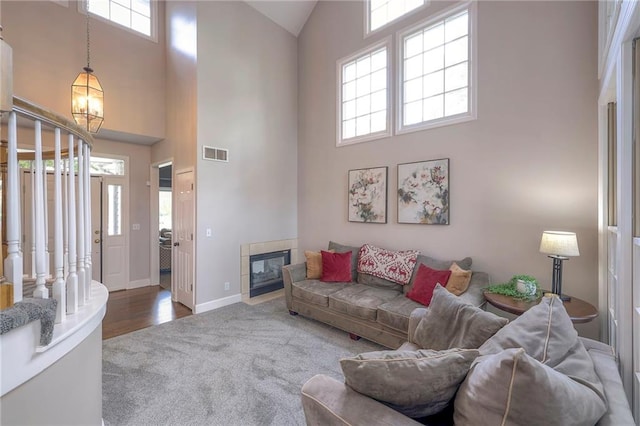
{"type": "Point", "coordinates": [218, 303]}
{"type": "Point", "coordinates": [145, 282]}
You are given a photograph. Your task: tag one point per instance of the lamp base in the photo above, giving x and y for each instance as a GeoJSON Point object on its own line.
{"type": "Point", "coordinates": [564, 297]}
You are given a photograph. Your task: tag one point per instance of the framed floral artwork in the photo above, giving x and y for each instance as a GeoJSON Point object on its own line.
{"type": "Point", "coordinates": [423, 192]}
{"type": "Point", "coordinates": [368, 195]}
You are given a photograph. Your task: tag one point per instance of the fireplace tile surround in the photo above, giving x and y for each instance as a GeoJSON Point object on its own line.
{"type": "Point", "coordinates": [250, 249]}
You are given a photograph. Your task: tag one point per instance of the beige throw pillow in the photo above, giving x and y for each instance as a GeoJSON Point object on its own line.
{"type": "Point", "coordinates": [314, 264]}
{"type": "Point", "coordinates": [451, 323]}
{"type": "Point", "coordinates": [511, 388]}
{"type": "Point", "coordinates": [416, 383]}
{"type": "Point", "coordinates": [459, 280]}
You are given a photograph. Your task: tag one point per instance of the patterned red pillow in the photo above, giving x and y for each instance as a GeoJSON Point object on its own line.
{"type": "Point", "coordinates": [395, 266]}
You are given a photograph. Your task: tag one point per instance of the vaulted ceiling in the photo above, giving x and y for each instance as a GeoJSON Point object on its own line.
{"type": "Point", "coordinates": [289, 14]}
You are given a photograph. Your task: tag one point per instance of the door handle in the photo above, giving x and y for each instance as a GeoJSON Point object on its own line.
{"type": "Point", "coordinates": [176, 244]}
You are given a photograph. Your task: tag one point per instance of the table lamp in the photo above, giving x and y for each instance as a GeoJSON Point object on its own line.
{"type": "Point", "coordinates": [559, 245]}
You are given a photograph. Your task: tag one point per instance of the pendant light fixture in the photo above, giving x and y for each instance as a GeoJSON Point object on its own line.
{"type": "Point", "coordinates": [87, 97]}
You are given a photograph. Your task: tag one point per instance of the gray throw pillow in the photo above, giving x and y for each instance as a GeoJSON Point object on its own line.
{"type": "Point", "coordinates": [415, 383]}
{"type": "Point", "coordinates": [341, 248]}
{"type": "Point", "coordinates": [511, 388]}
{"type": "Point", "coordinates": [451, 323]}
{"type": "Point", "coordinates": [545, 332]}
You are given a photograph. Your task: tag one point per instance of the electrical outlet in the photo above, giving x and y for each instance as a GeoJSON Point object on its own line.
{"type": "Point", "coordinates": [226, 286]}
{"type": "Point", "coordinates": [136, 227]}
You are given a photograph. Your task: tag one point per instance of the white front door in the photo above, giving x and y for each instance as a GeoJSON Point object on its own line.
{"type": "Point", "coordinates": [96, 228]}
{"type": "Point", "coordinates": [183, 239]}
{"type": "Point", "coordinates": [115, 262]}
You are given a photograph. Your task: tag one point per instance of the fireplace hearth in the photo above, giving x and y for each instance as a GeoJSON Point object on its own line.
{"type": "Point", "coordinates": [265, 273]}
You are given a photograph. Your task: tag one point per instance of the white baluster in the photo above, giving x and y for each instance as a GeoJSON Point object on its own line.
{"type": "Point", "coordinates": [33, 219]}
{"type": "Point", "coordinates": [65, 212]}
{"type": "Point", "coordinates": [59, 290]}
{"type": "Point", "coordinates": [80, 230]}
{"type": "Point", "coordinates": [45, 201]}
{"type": "Point", "coordinates": [13, 263]}
{"type": "Point", "coordinates": [87, 220]}
{"type": "Point", "coordinates": [41, 291]}
{"type": "Point", "coordinates": [72, 278]}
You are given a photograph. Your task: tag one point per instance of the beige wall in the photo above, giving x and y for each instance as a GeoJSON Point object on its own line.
{"type": "Point", "coordinates": [528, 163]}
{"type": "Point", "coordinates": [247, 85]}
{"type": "Point", "coordinates": [49, 50]}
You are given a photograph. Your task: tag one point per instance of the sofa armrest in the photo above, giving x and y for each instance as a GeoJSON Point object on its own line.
{"type": "Point", "coordinates": [606, 366]}
{"type": "Point", "coordinates": [475, 293]}
{"type": "Point", "coordinates": [292, 274]}
{"type": "Point", "coordinates": [414, 319]}
{"type": "Point", "coordinates": [326, 401]}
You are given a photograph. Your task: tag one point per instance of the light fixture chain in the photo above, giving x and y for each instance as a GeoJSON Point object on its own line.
{"type": "Point", "coordinates": [88, 37]}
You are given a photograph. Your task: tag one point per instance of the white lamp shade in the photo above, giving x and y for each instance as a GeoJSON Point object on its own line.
{"type": "Point", "coordinates": [559, 243]}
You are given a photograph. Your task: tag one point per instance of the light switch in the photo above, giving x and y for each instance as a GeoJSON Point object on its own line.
{"type": "Point", "coordinates": [208, 232]}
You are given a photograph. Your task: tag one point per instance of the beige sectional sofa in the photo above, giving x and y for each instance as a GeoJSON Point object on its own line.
{"type": "Point", "coordinates": [327, 401]}
{"type": "Point", "coordinates": [369, 307]}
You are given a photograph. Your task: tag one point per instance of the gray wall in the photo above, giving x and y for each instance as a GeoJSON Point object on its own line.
{"type": "Point", "coordinates": [528, 163]}
{"type": "Point", "coordinates": [67, 393]}
{"type": "Point", "coordinates": [247, 86]}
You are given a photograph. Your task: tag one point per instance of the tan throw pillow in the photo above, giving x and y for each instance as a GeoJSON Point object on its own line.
{"type": "Point", "coordinates": [451, 323]}
{"type": "Point", "coordinates": [459, 280]}
{"type": "Point", "coordinates": [314, 264]}
{"type": "Point", "coordinates": [415, 383]}
{"type": "Point", "coordinates": [511, 388]}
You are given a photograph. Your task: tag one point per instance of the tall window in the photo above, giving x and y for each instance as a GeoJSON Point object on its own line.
{"type": "Point", "coordinates": [437, 72]}
{"type": "Point", "coordinates": [382, 12]}
{"type": "Point", "coordinates": [363, 112]}
{"type": "Point", "coordinates": [137, 15]}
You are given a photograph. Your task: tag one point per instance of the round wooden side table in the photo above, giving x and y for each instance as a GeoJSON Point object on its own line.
{"type": "Point", "coordinates": [579, 311]}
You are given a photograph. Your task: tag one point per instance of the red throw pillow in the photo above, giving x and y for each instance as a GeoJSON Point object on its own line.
{"type": "Point", "coordinates": [336, 267]}
{"type": "Point", "coordinates": [425, 283]}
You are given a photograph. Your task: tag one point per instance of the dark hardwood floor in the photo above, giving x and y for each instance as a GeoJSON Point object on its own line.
{"type": "Point", "coordinates": [130, 310]}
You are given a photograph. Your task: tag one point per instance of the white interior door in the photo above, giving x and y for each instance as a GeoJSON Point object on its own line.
{"type": "Point", "coordinates": [183, 264]}
{"type": "Point", "coordinates": [96, 228]}
{"type": "Point", "coordinates": [115, 260]}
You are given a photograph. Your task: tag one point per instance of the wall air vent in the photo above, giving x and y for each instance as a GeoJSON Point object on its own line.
{"type": "Point", "coordinates": [215, 154]}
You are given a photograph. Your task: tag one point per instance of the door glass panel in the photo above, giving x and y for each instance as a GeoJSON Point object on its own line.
{"type": "Point", "coordinates": [114, 213]}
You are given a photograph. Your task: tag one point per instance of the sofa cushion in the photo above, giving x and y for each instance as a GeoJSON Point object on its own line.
{"type": "Point", "coordinates": [316, 292]}
{"type": "Point", "coordinates": [396, 312]}
{"type": "Point", "coordinates": [314, 264]}
{"type": "Point", "coordinates": [451, 323]}
{"type": "Point", "coordinates": [340, 248]}
{"type": "Point", "coordinates": [336, 267]}
{"type": "Point", "coordinates": [360, 301]}
{"type": "Point", "coordinates": [425, 282]}
{"type": "Point", "coordinates": [367, 279]}
{"type": "Point", "coordinates": [417, 384]}
{"type": "Point", "coordinates": [395, 266]}
{"type": "Point", "coordinates": [512, 388]}
{"type": "Point", "coordinates": [436, 264]}
{"type": "Point", "coordinates": [459, 281]}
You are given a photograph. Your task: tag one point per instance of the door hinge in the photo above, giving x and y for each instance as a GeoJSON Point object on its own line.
{"type": "Point", "coordinates": [192, 187]}
{"type": "Point", "coordinates": [191, 288]}
{"type": "Point", "coordinates": [191, 237]}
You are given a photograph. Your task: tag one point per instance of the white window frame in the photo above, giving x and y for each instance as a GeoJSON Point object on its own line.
{"type": "Point", "coordinates": [386, 42]}
{"type": "Point", "coordinates": [471, 114]}
{"type": "Point", "coordinates": [82, 8]}
{"type": "Point", "coordinates": [367, 17]}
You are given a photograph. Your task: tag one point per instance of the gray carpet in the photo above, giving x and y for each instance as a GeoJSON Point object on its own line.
{"type": "Point", "coordinates": [238, 365]}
